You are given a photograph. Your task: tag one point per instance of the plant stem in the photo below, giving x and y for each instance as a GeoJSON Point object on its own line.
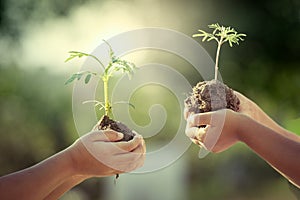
{"type": "Point", "coordinates": [103, 67]}
{"type": "Point", "coordinates": [220, 42]}
{"type": "Point", "coordinates": [107, 106]}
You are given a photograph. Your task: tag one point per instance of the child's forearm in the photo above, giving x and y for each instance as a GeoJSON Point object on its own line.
{"type": "Point", "coordinates": [36, 182]}
{"type": "Point", "coordinates": [279, 151]}
{"type": "Point", "coordinates": [65, 186]}
{"type": "Point", "coordinates": [264, 119]}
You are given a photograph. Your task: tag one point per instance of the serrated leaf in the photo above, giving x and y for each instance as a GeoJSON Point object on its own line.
{"type": "Point", "coordinates": [197, 35]}
{"type": "Point", "coordinates": [211, 38]}
{"type": "Point", "coordinates": [74, 54]}
{"type": "Point", "coordinates": [114, 59]}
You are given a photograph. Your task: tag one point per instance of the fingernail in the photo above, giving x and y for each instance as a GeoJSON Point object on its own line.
{"type": "Point", "coordinates": [139, 136]}
{"type": "Point", "coordinates": [136, 134]}
{"type": "Point", "coordinates": [120, 135]}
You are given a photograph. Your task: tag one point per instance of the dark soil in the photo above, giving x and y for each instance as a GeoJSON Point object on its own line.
{"type": "Point", "coordinates": [108, 124]}
{"type": "Point", "coordinates": [210, 96]}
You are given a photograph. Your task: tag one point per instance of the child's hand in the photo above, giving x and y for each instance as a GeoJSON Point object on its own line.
{"type": "Point", "coordinates": [100, 154]}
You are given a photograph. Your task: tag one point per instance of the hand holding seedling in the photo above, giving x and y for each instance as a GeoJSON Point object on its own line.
{"type": "Point", "coordinates": [214, 95]}
{"type": "Point", "coordinates": [217, 139]}
{"type": "Point", "coordinates": [99, 154]}
{"type": "Point", "coordinates": [93, 155]}
{"type": "Point", "coordinates": [115, 64]}
{"type": "Point", "coordinates": [217, 127]}
{"type": "Point", "coordinates": [210, 136]}
{"type": "Point", "coordinates": [96, 154]}
{"type": "Point", "coordinates": [224, 128]}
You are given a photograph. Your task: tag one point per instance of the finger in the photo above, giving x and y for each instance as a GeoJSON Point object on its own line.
{"type": "Point", "coordinates": [144, 146]}
{"type": "Point", "coordinates": [199, 119]}
{"type": "Point", "coordinates": [197, 142]}
{"type": "Point", "coordinates": [191, 132]}
{"type": "Point", "coordinates": [140, 158]}
{"type": "Point", "coordinates": [106, 136]}
{"type": "Point", "coordinates": [239, 95]}
{"type": "Point", "coordinates": [133, 156]}
{"type": "Point", "coordinates": [139, 150]}
{"type": "Point", "coordinates": [112, 135]}
{"type": "Point", "coordinates": [185, 113]}
{"type": "Point", "coordinates": [197, 133]}
{"type": "Point", "coordinates": [125, 167]}
{"type": "Point", "coordinates": [212, 118]}
{"type": "Point", "coordinates": [131, 144]}
{"type": "Point", "coordinates": [130, 160]}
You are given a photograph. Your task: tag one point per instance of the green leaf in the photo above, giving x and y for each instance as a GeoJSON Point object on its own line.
{"type": "Point", "coordinates": [214, 26]}
{"type": "Point", "coordinates": [74, 54]}
{"type": "Point", "coordinates": [111, 52]}
{"type": "Point", "coordinates": [115, 64]}
{"type": "Point", "coordinates": [71, 79]}
{"type": "Point", "coordinates": [221, 34]}
{"type": "Point", "coordinates": [125, 66]}
{"type": "Point", "coordinates": [114, 59]}
{"type": "Point", "coordinates": [125, 102]}
{"type": "Point", "coordinates": [69, 58]}
{"type": "Point", "coordinates": [79, 75]}
{"type": "Point", "coordinates": [211, 38]}
{"type": "Point", "coordinates": [87, 78]}
{"type": "Point", "coordinates": [97, 103]}
{"type": "Point", "coordinates": [198, 35]}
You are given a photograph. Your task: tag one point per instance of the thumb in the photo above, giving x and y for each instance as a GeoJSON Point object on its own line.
{"type": "Point", "coordinates": [111, 136]}
{"type": "Point", "coordinates": [105, 136]}
{"type": "Point", "coordinates": [199, 119]}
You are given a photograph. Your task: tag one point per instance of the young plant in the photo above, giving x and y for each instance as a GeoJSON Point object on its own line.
{"type": "Point", "coordinates": [115, 64]}
{"type": "Point", "coordinates": [221, 35]}
{"type": "Point", "coordinates": [214, 95]}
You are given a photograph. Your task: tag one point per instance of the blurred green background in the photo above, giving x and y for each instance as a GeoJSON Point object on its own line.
{"type": "Point", "coordinates": [36, 108]}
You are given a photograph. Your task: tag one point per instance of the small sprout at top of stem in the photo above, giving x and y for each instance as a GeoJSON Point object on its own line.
{"type": "Point", "coordinates": [221, 35]}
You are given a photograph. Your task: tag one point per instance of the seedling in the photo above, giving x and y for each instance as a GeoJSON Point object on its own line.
{"type": "Point", "coordinates": [214, 95]}
{"type": "Point", "coordinates": [221, 35]}
{"type": "Point", "coordinates": [115, 64]}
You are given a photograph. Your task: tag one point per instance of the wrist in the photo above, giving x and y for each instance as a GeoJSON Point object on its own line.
{"type": "Point", "coordinates": [72, 168]}
{"type": "Point", "coordinates": [75, 156]}
{"type": "Point", "coordinates": [69, 159]}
